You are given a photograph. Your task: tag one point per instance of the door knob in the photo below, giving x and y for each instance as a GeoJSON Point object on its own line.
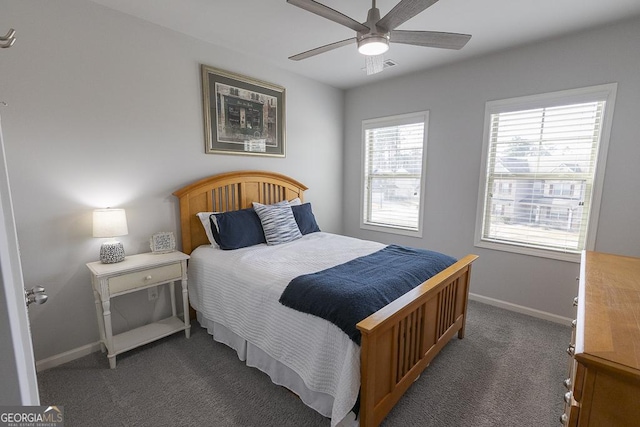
{"type": "Point", "coordinates": [35, 294]}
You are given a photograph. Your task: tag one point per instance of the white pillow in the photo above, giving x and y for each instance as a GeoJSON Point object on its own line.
{"type": "Point", "coordinates": [278, 223]}
{"type": "Point", "coordinates": [206, 223]}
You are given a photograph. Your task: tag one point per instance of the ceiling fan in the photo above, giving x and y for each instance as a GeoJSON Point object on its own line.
{"type": "Point", "coordinates": [374, 35]}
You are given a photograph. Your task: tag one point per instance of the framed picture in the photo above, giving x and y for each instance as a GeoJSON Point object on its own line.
{"type": "Point", "coordinates": [162, 242]}
{"type": "Point", "coordinates": [242, 115]}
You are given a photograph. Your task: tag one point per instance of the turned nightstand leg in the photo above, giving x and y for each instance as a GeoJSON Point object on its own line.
{"type": "Point", "coordinates": [172, 292]}
{"type": "Point", "coordinates": [185, 307]}
{"type": "Point", "coordinates": [96, 298]}
{"type": "Point", "coordinates": [106, 312]}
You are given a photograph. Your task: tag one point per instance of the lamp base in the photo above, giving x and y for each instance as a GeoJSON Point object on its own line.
{"type": "Point", "coordinates": [111, 252]}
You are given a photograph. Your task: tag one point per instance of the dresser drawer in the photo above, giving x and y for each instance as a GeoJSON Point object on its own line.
{"type": "Point", "coordinates": [570, 419]}
{"type": "Point", "coordinates": [142, 278]}
{"type": "Point", "coordinates": [578, 381]}
{"type": "Point", "coordinates": [571, 401]}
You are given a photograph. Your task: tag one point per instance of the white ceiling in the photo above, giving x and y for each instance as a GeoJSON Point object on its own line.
{"type": "Point", "coordinates": [273, 30]}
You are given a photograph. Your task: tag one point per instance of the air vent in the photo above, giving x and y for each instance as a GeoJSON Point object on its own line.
{"type": "Point", "coordinates": [387, 63]}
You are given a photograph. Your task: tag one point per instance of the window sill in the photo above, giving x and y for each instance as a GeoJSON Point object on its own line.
{"type": "Point", "coordinates": [541, 253]}
{"type": "Point", "coordinates": [392, 230]}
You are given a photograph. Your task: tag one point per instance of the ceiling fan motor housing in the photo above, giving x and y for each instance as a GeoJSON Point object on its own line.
{"type": "Point", "coordinates": [376, 40]}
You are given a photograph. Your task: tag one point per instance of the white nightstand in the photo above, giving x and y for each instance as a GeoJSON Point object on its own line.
{"type": "Point", "coordinates": [135, 273]}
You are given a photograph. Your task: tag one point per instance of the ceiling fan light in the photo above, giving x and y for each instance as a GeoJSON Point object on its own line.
{"type": "Point", "coordinates": [374, 45]}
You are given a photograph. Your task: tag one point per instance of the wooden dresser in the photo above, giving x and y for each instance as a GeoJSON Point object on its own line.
{"type": "Point", "coordinates": [604, 373]}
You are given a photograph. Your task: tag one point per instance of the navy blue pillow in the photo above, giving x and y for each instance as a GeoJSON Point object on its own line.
{"type": "Point", "coordinates": [305, 219]}
{"type": "Point", "coordinates": [237, 229]}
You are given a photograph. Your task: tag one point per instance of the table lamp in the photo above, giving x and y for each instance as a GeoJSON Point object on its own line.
{"type": "Point", "coordinates": [110, 223]}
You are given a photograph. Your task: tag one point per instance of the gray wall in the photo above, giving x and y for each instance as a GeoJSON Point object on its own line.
{"type": "Point", "coordinates": [105, 110]}
{"type": "Point", "coordinates": [455, 96]}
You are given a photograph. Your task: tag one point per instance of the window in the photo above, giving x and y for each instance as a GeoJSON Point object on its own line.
{"type": "Point", "coordinates": [542, 171]}
{"type": "Point", "coordinates": [393, 178]}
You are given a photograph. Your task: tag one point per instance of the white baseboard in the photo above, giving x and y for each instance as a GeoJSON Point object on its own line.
{"type": "Point", "coordinates": [67, 356]}
{"type": "Point", "coordinates": [76, 353]}
{"type": "Point", "coordinates": [521, 309]}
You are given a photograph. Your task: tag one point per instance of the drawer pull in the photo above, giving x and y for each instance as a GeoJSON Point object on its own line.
{"type": "Point", "coordinates": [567, 397]}
{"type": "Point", "coordinates": [147, 278]}
{"type": "Point", "coordinates": [563, 419]}
{"type": "Point", "coordinates": [574, 322]}
{"type": "Point", "coordinates": [571, 349]}
{"type": "Point", "coordinates": [575, 302]}
{"type": "Point", "coordinates": [567, 383]}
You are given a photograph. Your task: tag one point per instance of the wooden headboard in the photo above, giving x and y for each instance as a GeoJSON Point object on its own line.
{"type": "Point", "coordinates": [229, 192]}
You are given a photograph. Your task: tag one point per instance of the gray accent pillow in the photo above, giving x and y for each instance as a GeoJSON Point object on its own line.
{"type": "Point", "coordinates": [278, 223]}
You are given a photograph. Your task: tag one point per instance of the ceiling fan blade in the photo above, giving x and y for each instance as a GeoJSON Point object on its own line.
{"type": "Point", "coordinates": [322, 49]}
{"type": "Point", "coordinates": [430, 39]}
{"type": "Point", "coordinates": [374, 64]}
{"type": "Point", "coordinates": [328, 13]}
{"type": "Point", "coordinates": [401, 13]}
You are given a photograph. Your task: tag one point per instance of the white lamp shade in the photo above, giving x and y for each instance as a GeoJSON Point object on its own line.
{"type": "Point", "coordinates": [109, 223]}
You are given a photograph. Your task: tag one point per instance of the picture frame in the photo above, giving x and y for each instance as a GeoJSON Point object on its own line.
{"type": "Point", "coordinates": [242, 115]}
{"type": "Point", "coordinates": [162, 242]}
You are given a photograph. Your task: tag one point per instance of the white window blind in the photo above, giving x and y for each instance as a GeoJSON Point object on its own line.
{"type": "Point", "coordinates": [540, 173]}
{"type": "Point", "coordinates": [394, 151]}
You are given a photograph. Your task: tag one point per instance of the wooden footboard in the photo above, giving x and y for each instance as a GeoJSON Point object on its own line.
{"type": "Point", "coordinates": [400, 340]}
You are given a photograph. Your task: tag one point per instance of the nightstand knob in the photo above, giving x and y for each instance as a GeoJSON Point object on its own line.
{"type": "Point", "coordinates": [567, 383]}
{"type": "Point", "coordinates": [567, 397]}
{"type": "Point", "coordinates": [574, 323]}
{"type": "Point", "coordinates": [147, 278]}
{"type": "Point", "coordinates": [575, 302]}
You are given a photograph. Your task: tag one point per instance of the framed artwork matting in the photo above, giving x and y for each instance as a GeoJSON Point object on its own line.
{"type": "Point", "coordinates": [242, 115]}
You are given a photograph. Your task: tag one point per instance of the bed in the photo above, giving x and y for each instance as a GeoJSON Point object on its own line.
{"type": "Point", "coordinates": [397, 342]}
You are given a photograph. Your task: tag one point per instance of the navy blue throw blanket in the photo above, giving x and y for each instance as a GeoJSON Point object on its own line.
{"type": "Point", "coordinates": [350, 292]}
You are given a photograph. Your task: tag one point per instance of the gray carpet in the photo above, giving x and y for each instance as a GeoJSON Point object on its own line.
{"type": "Point", "coordinates": [507, 371]}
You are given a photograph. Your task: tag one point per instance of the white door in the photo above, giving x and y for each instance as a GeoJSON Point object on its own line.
{"type": "Point", "coordinates": [17, 365]}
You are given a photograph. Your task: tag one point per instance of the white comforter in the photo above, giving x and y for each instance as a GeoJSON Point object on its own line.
{"type": "Point", "coordinates": [240, 290]}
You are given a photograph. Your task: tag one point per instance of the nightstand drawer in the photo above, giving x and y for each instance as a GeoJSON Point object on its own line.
{"type": "Point", "coordinates": [138, 279]}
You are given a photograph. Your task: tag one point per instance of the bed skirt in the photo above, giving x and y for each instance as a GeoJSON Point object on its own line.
{"type": "Point", "coordinates": [279, 373]}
